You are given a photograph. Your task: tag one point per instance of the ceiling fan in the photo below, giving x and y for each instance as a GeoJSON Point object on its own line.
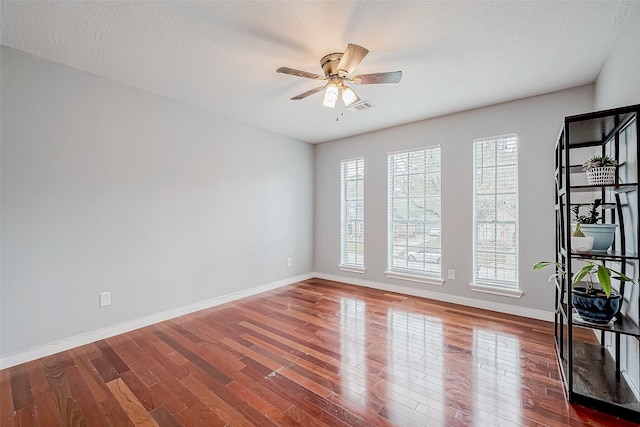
{"type": "Point", "coordinates": [337, 67]}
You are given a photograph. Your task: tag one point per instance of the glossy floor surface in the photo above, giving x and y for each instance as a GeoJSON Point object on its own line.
{"type": "Point", "coordinates": [315, 353]}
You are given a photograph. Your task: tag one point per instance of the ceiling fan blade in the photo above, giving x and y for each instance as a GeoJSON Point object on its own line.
{"type": "Point", "coordinates": [378, 78]}
{"type": "Point", "coordinates": [351, 57]}
{"type": "Point", "coordinates": [309, 92]}
{"type": "Point", "coordinates": [299, 73]}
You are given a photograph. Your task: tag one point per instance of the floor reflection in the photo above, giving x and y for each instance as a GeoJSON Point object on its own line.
{"type": "Point", "coordinates": [415, 355]}
{"type": "Point", "coordinates": [497, 388]}
{"type": "Point", "coordinates": [353, 352]}
{"type": "Point", "coordinates": [419, 370]}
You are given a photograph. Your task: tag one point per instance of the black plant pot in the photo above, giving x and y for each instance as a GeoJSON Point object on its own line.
{"type": "Point", "coordinates": [596, 307]}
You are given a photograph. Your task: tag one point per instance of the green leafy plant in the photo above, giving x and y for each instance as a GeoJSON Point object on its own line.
{"type": "Point", "coordinates": [598, 162]}
{"type": "Point", "coordinates": [592, 217]}
{"type": "Point", "coordinates": [590, 269]}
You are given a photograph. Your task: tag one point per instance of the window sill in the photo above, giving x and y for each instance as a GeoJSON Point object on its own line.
{"type": "Point", "coordinates": [414, 278]}
{"type": "Point", "coordinates": [496, 290]}
{"type": "Point", "coordinates": [352, 269]}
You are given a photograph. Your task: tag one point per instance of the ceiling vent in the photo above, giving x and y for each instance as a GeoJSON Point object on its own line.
{"type": "Point", "coordinates": [359, 106]}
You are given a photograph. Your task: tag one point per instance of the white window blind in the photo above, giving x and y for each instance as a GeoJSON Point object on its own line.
{"type": "Point", "coordinates": [352, 213]}
{"type": "Point", "coordinates": [414, 212]}
{"type": "Point", "coordinates": [495, 211]}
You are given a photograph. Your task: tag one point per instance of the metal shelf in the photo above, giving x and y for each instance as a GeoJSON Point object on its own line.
{"type": "Point", "coordinates": [622, 325]}
{"type": "Point", "coordinates": [604, 256]}
{"type": "Point", "coordinates": [616, 188]}
{"type": "Point", "coordinates": [593, 374]}
{"type": "Point", "coordinates": [594, 381]}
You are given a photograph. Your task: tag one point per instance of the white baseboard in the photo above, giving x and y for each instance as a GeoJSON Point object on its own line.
{"type": "Point", "coordinates": [110, 331]}
{"type": "Point", "coordinates": [471, 302]}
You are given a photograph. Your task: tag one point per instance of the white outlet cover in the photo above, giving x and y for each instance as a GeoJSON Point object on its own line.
{"type": "Point", "coordinates": [105, 299]}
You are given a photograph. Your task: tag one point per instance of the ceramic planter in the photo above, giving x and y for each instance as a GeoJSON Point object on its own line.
{"type": "Point", "coordinates": [581, 244]}
{"type": "Point", "coordinates": [595, 308]}
{"type": "Point", "coordinates": [602, 234]}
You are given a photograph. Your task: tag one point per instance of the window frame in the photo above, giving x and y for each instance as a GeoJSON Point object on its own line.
{"type": "Point", "coordinates": [395, 271]}
{"type": "Point", "coordinates": [344, 265]}
{"type": "Point", "coordinates": [510, 288]}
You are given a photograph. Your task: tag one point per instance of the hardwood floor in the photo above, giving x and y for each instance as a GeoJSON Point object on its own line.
{"type": "Point", "coordinates": [316, 353]}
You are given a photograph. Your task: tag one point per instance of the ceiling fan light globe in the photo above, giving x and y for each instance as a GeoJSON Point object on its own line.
{"type": "Point", "coordinates": [349, 96]}
{"type": "Point", "coordinates": [330, 96]}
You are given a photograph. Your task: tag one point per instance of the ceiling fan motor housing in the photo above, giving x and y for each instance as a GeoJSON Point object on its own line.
{"type": "Point", "coordinates": [329, 64]}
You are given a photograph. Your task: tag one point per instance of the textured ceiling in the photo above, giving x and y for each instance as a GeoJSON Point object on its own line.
{"type": "Point", "coordinates": [222, 55]}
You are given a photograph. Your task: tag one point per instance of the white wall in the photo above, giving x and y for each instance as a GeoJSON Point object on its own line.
{"type": "Point", "coordinates": [109, 188]}
{"type": "Point", "coordinates": [618, 83]}
{"type": "Point", "coordinates": [537, 122]}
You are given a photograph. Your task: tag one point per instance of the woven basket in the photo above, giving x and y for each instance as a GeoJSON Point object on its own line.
{"type": "Point", "coordinates": [601, 176]}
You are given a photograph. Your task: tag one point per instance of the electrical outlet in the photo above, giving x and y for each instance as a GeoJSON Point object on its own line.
{"type": "Point", "coordinates": [105, 299]}
{"type": "Point", "coordinates": [288, 262]}
{"type": "Point", "coordinates": [452, 274]}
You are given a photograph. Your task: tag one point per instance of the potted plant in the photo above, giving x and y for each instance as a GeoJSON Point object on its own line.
{"type": "Point", "coordinates": [580, 242]}
{"type": "Point", "coordinates": [601, 170]}
{"type": "Point", "coordinates": [588, 225]}
{"type": "Point", "coordinates": [593, 304]}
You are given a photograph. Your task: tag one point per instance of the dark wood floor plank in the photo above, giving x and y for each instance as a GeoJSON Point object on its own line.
{"type": "Point", "coordinates": [165, 395]}
{"type": "Point", "coordinates": [139, 390]}
{"type": "Point", "coordinates": [137, 359]}
{"type": "Point", "coordinates": [196, 360]}
{"type": "Point", "coordinates": [303, 399]}
{"type": "Point", "coordinates": [258, 388]}
{"type": "Point", "coordinates": [301, 418]}
{"type": "Point", "coordinates": [104, 368]}
{"type": "Point", "coordinates": [316, 353]}
{"type": "Point", "coordinates": [37, 379]}
{"type": "Point", "coordinates": [158, 350]}
{"type": "Point", "coordinates": [257, 402]}
{"type": "Point", "coordinates": [252, 415]}
{"type": "Point", "coordinates": [225, 411]}
{"type": "Point", "coordinates": [163, 417]}
{"type": "Point", "coordinates": [20, 387]}
{"type": "Point", "coordinates": [6, 400]}
{"type": "Point", "coordinates": [186, 417]}
{"type": "Point", "coordinates": [118, 364]}
{"type": "Point", "coordinates": [114, 414]}
{"type": "Point", "coordinates": [26, 417]}
{"type": "Point", "coordinates": [84, 397]}
{"type": "Point", "coordinates": [213, 352]}
{"type": "Point", "coordinates": [67, 405]}
{"type": "Point", "coordinates": [191, 336]}
{"type": "Point", "coordinates": [46, 410]}
{"type": "Point", "coordinates": [91, 377]}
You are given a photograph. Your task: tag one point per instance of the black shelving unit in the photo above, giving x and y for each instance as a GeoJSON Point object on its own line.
{"type": "Point", "coordinates": [599, 364]}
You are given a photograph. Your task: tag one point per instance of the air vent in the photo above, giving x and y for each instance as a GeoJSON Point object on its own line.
{"type": "Point", "coordinates": [362, 105]}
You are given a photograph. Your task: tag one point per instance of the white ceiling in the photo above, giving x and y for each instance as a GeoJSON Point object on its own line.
{"type": "Point", "coordinates": [222, 55]}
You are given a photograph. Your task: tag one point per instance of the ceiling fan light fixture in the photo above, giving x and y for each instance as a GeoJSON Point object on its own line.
{"type": "Point", "coordinates": [330, 96]}
{"type": "Point", "coordinates": [337, 68]}
{"type": "Point", "coordinates": [349, 96]}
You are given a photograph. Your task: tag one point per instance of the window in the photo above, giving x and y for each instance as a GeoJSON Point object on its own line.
{"type": "Point", "coordinates": [495, 213]}
{"type": "Point", "coordinates": [414, 214]}
{"type": "Point", "coordinates": [352, 215]}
